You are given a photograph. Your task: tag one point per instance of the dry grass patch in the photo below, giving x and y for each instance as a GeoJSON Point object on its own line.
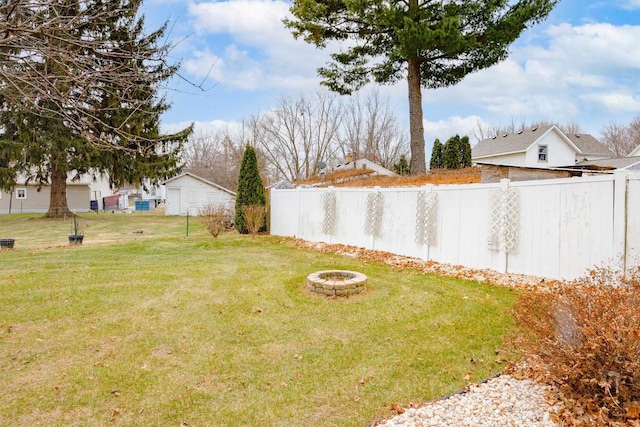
{"type": "Point", "coordinates": [365, 178]}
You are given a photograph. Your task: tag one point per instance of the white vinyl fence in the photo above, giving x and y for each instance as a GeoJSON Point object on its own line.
{"type": "Point", "coordinates": [558, 228]}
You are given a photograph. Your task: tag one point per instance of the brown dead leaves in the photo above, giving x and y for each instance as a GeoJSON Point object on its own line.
{"type": "Point", "coordinates": [429, 266]}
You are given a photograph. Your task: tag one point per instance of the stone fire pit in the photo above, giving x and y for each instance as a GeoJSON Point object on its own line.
{"type": "Point", "coordinates": [336, 282]}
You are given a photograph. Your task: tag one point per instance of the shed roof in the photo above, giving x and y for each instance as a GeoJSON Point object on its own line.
{"type": "Point", "coordinates": [199, 178]}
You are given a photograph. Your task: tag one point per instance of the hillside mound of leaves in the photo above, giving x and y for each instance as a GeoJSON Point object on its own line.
{"type": "Point", "coordinates": [585, 341]}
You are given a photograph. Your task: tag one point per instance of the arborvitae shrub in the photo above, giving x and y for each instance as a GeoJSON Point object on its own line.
{"type": "Point", "coordinates": [436, 156]}
{"type": "Point", "coordinates": [451, 155]}
{"type": "Point", "coordinates": [251, 190]}
{"type": "Point", "coordinates": [402, 167]}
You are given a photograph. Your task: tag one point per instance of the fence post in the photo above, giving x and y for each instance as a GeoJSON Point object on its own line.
{"type": "Point", "coordinates": [297, 232]}
{"type": "Point", "coordinates": [620, 188]}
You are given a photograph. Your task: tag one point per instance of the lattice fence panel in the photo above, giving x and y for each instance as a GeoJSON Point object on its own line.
{"type": "Point", "coordinates": [426, 218]}
{"type": "Point", "coordinates": [505, 220]}
{"type": "Point", "coordinates": [329, 210]}
{"type": "Point", "coordinates": [373, 219]}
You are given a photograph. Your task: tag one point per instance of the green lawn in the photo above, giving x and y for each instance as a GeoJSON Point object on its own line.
{"type": "Point", "coordinates": [142, 325]}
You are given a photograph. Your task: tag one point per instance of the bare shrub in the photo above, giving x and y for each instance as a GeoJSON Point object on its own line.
{"type": "Point", "coordinates": [253, 217]}
{"type": "Point", "coordinates": [585, 340]}
{"type": "Point", "coordinates": [216, 217]}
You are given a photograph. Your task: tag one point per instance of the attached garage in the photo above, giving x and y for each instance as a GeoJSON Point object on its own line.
{"type": "Point", "coordinates": [188, 193]}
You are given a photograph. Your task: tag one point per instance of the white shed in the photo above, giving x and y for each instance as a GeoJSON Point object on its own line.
{"type": "Point", "coordinates": [188, 192]}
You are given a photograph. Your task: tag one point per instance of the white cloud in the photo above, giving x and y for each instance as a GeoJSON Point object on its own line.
{"type": "Point", "coordinates": [212, 126]}
{"type": "Point", "coordinates": [471, 126]}
{"type": "Point", "coordinates": [204, 64]}
{"type": "Point", "coordinates": [613, 102]}
{"type": "Point", "coordinates": [256, 50]}
{"type": "Point", "coordinates": [588, 68]}
{"type": "Point", "coordinates": [254, 22]}
{"type": "Point", "coordinates": [631, 4]}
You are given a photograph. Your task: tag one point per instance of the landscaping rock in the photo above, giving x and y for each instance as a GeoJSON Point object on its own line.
{"type": "Point", "coordinates": [500, 402]}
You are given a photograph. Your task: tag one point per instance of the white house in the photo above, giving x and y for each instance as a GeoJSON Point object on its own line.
{"type": "Point", "coordinates": [545, 147]}
{"type": "Point", "coordinates": [364, 164]}
{"type": "Point", "coordinates": [187, 193]}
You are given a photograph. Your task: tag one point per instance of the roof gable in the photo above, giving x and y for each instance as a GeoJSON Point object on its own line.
{"type": "Point", "coordinates": [512, 143]}
{"type": "Point", "coordinates": [199, 178]}
{"type": "Point", "coordinates": [587, 144]}
{"type": "Point", "coordinates": [520, 142]}
{"type": "Point", "coordinates": [635, 152]}
{"type": "Point", "coordinates": [366, 164]}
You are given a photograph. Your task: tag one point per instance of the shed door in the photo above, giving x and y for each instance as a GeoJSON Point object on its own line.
{"type": "Point", "coordinates": [173, 202]}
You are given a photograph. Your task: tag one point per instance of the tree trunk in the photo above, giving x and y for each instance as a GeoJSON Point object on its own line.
{"type": "Point", "coordinates": [58, 207]}
{"type": "Point", "coordinates": [416, 127]}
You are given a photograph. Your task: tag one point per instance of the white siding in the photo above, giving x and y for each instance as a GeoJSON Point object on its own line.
{"type": "Point", "coordinates": [188, 194]}
{"type": "Point", "coordinates": [516, 159]}
{"type": "Point", "coordinates": [559, 153]}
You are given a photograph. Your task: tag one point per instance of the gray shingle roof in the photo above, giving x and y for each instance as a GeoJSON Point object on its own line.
{"type": "Point", "coordinates": [589, 145]}
{"type": "Point", "coordinates": [617, 163]}
{"type": "Point", "coordinates": [520, 141]}
{"type": "Point", "coordinates": [508, 143]}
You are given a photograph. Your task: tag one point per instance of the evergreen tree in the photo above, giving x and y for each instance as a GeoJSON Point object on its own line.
{"type": "Point", "coordinates": [430, 43]}
{"type": "Point", "coordinates": [45, 149]}
{"type": "Point", "coordinates": [250, 188]}
{"type": "Point", "coordinates": [436, 155]}
{"type": "Point", "coordinates": [451, 153]}
{"type": "Point", "coordinates": [465, 152]}
{"type": "Point", "coordinates": [402, 167]}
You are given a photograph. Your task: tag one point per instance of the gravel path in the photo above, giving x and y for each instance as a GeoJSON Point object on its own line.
{"type": "Point", "coordinates": [500, 402]}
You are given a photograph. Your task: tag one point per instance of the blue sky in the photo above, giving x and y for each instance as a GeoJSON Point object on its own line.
{"type": "Point", "coordinates": [581, 65]}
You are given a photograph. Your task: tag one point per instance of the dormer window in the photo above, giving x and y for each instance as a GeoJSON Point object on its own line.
{"type": "Point", "coordinates": [542, 153]}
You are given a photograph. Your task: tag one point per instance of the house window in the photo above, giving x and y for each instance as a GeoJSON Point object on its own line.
{"type": "Point", "coordinates": [21, 193]}
{"type": "Point", "coordinates": [542, 153]}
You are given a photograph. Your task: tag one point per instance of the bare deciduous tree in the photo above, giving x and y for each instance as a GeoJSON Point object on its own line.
{"type": "Point", "coordinates": [297, 134]}
{"type": "Point", "coordinates": [370, 130]}
{"type": "Point", "coordinates": [214, 155]}
{"type": "Point", "coordinates": [622, 139]}
{"type": "Point", "coordinates": [32, 33]}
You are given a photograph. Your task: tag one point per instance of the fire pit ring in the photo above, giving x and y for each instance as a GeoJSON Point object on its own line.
{"type": "Point", "coordinates": [336, 282]}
